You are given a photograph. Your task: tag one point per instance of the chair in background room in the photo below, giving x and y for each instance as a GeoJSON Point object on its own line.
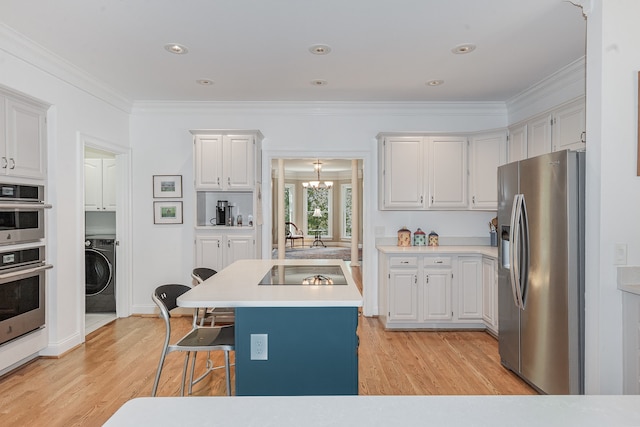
{"type": "Point", "coordinates": [293, 233]}
{"type": "Point", "coordinates": [218, 314]}
{"type": "Point", "coordinates": [217, 338]}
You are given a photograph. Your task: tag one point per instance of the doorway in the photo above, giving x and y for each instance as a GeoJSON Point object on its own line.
{"type": "Point", "coordinates": [105, 276]}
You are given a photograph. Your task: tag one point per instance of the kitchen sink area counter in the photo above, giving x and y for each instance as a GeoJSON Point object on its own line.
{"type": "Point", "coordinates": [295, 325]}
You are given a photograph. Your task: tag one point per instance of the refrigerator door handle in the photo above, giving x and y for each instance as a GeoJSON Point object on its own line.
{"type": "Point", "coordinates": [517, 253]}
{"type": "Point", "coordinates": [512, 248]}
{"type": "Point", "coordinates": [524, 258]}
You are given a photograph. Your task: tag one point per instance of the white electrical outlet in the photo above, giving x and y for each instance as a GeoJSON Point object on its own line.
{"type": "Point", "coordinates": [620, 255]}
{"type": "Point", "coordinates": [259, 347]}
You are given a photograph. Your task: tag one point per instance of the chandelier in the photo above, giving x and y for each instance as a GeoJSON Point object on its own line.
{"type": "Point", "coordinates": [317, 165]}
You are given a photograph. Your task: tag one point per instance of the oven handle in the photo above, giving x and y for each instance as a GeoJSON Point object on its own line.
{"type": "Point", "coordinates": [21, 272]}
{"type": "Point", "coordinates": [25, 206]}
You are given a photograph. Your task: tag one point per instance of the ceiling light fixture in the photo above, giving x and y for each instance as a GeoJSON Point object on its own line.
{"type": "Point", "coordinates": [205, 82]}
{"type": "Point", "coordinates": [435, 82]}
{"type": "Point", "coordinates": [319, 82]}
{"type": "Point", "coordinates": [461, 49]}
{"type": "Point", "coordinates": [176, 48]}
{"type": "Point", "coordinates": [317, 166]}
{"type": "Point", "coordinates": [320, 49]}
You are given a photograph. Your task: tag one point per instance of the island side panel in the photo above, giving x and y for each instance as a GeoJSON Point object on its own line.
{"type": "Point", "coordinates": [311, 351]}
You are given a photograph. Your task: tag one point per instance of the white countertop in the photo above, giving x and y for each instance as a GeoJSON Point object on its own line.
{"type": "Point", "coordinates": [629, 279]}
{"type": "Point", "coordinates": [237, 286]}
{"type": "Point", "coordinates": [489, 251]}
{"type": "Point", "coordinates": [351, 411]}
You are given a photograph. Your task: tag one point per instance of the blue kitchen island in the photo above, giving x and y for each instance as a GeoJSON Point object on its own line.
{"type": "Point", "coordinates": [295, 325]}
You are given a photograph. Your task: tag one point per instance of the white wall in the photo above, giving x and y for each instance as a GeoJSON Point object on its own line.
{"type": "Point", "coordinates": [613, 189]}
{"type": "Point", "coordinates": [28, 70]}
{"type": "Point", "coordinates": [163, 145]}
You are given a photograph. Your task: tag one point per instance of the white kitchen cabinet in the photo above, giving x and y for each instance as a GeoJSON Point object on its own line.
{"type": "Point", "coordinates": [569, 126]}
{"type": "Point", "coordinates": [490, 294]}
{"type": "Point", "coordinates": [539, 135]}
{"type": "Point", "coordinates": [437, 288]}
{"type": "Point", "coordinates": [402, 178]}
{"type": "Point", "coordinates": [447, 172]}
{"type": "Point", "coordinates": [423, 172]}
{"type": "Point", "coordinates": [23, 145]}
{"type": "Point", "coordinates": [470, 287]}
{"type": "Point", "coordinates": [517, 143]}
{"type": "Point", "coordinates": [217, 251]}
{"type": "Point", "coordinates": [488, 151]}
{"type": "Point", "coordinates": [100, 184]}
{"type": "Point", "coordinates": [403, 289]}
{"type": "Point", "coordinates": [225, 162]}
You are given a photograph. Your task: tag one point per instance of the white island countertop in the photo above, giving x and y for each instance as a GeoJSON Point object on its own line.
{"type": "Point", "coordinates": [489, 251]}
{"type": "Point", "coordinates": [238, 286]}
{"type": "Point", "coordinates": [352, 411]}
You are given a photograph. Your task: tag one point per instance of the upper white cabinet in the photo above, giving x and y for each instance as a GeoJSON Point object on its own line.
{"type": "Point", "coordinates": [488, 151]}
{"type": "Point", "coordinates": [559, 129]}
{"type": "Point", "coordinates": [539, 135]}
{"type": "Point", "coordinates": [569, 126]}
{"type": "Point", "coordinates": [517, 143]}
{"type": "Point", "coordinates": [402, 178]}
{"type": "Point", "coordinates": [22, 138]}
{"type": "Point", "coordinates": [100, 184]}
{"type": "Point", "coordinates": [225, 161]}
{"type": "Point", "coordinates": [423, 172]}
{"type": "Point", "coordinates": [447, 172]}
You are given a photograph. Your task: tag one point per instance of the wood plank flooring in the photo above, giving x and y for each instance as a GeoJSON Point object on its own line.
{"type": "Point", "coordinates": [118, 362]}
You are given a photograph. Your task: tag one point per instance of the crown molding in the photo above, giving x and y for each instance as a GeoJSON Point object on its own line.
{"type": "Point", "coordinates": [24, 49]}
{"type": "Point", "coordinates": [567, 83]}
{"type": "Point", "coordinates": [310, 108]}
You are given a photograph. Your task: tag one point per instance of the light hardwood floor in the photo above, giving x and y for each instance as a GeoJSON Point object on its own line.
{"type": "Point", "coordinates": [118, 362]}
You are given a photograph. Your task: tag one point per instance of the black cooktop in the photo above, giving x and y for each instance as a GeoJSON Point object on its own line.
{"type": "Point", "coordinates": [304, 275]}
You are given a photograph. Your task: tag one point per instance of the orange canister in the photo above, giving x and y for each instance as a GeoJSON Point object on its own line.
{"type": "Point", "coordinates": [404, 237]}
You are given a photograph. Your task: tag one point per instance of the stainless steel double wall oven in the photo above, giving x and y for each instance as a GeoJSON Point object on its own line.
{"type": "Point", "coordinates": [22, 260]}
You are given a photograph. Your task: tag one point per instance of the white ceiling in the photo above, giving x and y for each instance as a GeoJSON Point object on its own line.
{"type": "Point", "coordinates": [257, 50]}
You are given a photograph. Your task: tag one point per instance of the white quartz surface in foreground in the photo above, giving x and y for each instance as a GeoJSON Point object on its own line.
{"type": "Point", "coordinates": [351, 411]}
{"type": "Point", "coordinates": [237, 286]}
{"type": "Point", "coordinates": [490, 251]}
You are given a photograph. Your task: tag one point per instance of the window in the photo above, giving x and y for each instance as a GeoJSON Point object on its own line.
{"type": "Point", "coordinates": [318, 199]}
{"type": "Point", "coordinates": [289, 202]}
{"type": "Point", "coordinates": [345, 201]}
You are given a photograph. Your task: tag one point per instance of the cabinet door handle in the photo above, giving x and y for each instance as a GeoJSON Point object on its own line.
{"type": "Point", "coordinates": [4, 163]}
{"type": "Point", "coordinates": [218, 243]}
{"type": "Point", "coordinates": [431, 199]}
{"type": "Point", "coordinates": [218, 181]}
{"type": "Point", "coordinates": [13, 163]}
{"type": "Point", "coordinates": [583, 136]}
{"type": "Point", "coordinates": [415, 279]}
{"type": "Point", "coordinates": [228, 180]}
{"type": "Point", "coordinates": [421, 199]}
{"type": "Point", "coordinates": [473, 200]}
{"type": "Point", "coordinates": [439, 261]}
{"type": "Point", "coordinates": [229, 244]}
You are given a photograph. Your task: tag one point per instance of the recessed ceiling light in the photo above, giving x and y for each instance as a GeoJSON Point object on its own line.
{"type": "Point", "coordinates": [320, 49]}
{"type": "Point", "coordinates": [435, 82]}
{"type": "Point", "coordinates": [319, 82]}
{"type": "Point", "coordinates": [205, 82]}
{"type": "Point", "coordinates": [176, 48]}
{"type": "Point", "coordinates": [461, 49]}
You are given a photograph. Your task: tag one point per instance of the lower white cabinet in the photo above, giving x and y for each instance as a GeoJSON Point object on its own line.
{"type": "Point", "coordinates": [490, 294]}
{"type": "Point", "coordinates": [470, 286]}
{"type": "Point", "coordinates": [429, 291]}
{"type": "Point", "coordinates": [217, 251]}
{"type": "Point", "coordinates": [437, 279]}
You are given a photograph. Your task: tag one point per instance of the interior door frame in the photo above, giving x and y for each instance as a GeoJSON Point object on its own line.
{"type": "Point", "coordinates": [123, 224]}
{"type": "Point", "coordinates": [369, 268]}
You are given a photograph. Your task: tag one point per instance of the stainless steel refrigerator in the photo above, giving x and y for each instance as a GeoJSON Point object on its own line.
{"type": "Point", "coordinates": [541, 270]}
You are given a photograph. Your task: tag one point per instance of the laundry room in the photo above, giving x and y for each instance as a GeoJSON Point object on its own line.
{"type": "Point", "coordinates": [100, 238]}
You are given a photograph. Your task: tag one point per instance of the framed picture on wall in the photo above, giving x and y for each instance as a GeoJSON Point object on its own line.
{"type": "Point", "coordinates": [167, 186]}
{"type": "Point", "coordinates": [167, 212]}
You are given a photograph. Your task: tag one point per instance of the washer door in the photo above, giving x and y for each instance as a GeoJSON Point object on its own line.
{"type": "Point", "coordinates": [98, 272]}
